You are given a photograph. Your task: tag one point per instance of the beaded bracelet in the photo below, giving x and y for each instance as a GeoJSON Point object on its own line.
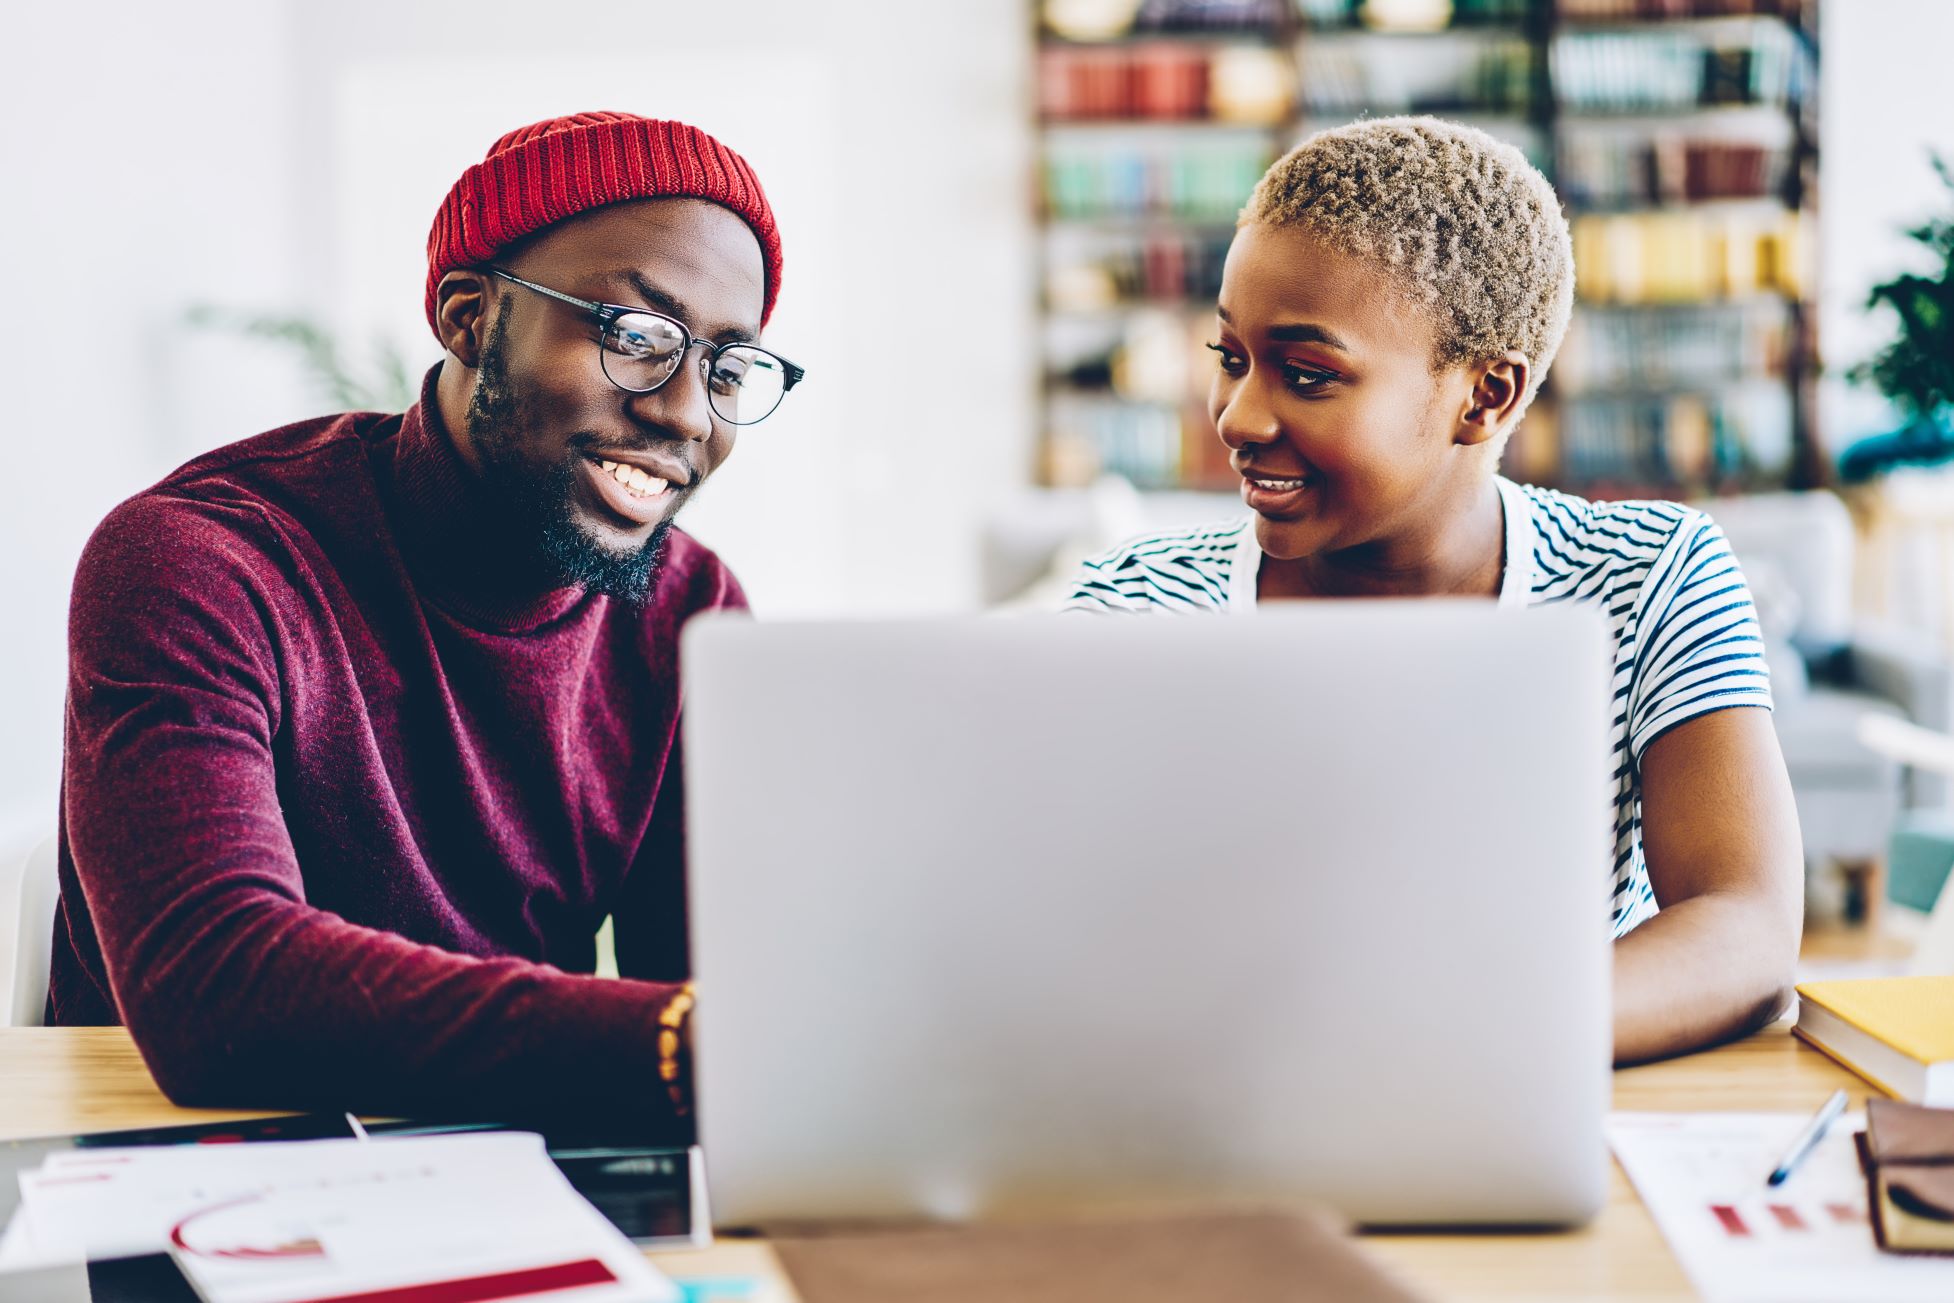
{"type": "Point", "coordinates": [671, 1022]}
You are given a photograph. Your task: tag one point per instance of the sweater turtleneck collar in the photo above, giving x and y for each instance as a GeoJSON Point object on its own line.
{"type": "Point", "coordinates": [457, 541]}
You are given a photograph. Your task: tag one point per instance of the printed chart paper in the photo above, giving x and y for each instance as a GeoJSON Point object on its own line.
{"type": "Point", "coordinates": [1702, 1177]}
{"type": "Point", "coordinates": [479, 1217]}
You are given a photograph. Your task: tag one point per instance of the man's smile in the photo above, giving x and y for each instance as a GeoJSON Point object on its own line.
{"type": "Point", "coordinates": [639, 491]}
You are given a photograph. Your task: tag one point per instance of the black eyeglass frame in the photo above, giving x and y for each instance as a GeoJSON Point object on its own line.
{"type": "Point", "coordinates": [608, 315]}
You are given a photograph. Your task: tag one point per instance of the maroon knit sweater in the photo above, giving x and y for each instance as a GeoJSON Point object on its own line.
{"type": "Point", "coordinates": [342, 809]}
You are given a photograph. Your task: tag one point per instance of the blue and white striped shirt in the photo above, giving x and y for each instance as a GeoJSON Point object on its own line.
{"type": "Point", "coordinates": [1686, 636]}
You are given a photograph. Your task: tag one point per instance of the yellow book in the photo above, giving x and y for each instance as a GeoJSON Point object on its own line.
{"type": "Point", "coordinates": [1896, 1032]}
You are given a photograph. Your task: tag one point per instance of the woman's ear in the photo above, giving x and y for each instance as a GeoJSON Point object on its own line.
{"type": "Point", "coordinates": [1497, 392]}
{"type": "Point", "coordinates": [461, 314]}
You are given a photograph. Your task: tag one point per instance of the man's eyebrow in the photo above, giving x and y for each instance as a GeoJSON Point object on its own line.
{"type": "Point", "coordinates": [671, 306]}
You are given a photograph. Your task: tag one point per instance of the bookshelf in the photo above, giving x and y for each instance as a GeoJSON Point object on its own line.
{"type": "Point", "coordinates": [1155, 121]}
{"type": "Point", "coordinates": [1681, 135]}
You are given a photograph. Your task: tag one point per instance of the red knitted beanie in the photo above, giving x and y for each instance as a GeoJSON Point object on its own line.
{"type": "Point", "coordinates": [540, 174]}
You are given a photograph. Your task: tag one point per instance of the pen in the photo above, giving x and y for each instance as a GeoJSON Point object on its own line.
{"type": "Point", "coordinates": [1808, 1138]}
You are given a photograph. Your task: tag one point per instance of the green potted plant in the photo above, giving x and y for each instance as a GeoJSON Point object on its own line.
{"type": "Point", "coordinates": [1915, 370]}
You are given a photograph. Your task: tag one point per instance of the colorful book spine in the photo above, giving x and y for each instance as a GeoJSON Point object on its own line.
{"type": "Point", "coordinates": [1348, 77]}
{"type": "Point", "coordinates": [1612, 171]}
{"type": "Point", "coordinates": [1667, 70]}
{"type": "Point", "coordinates": [1198, 181]}
{"type": "Point", "coordinates": [1656, 10]}
{"type": "Point", "coordinates": [1103, 435]}
{"type": "Point", "coordinates": [1161, 81]}
{"type": "Point", "coordinates": [1090, 271]}
{"type": "Point", "coordinates": [1690, 256]}
{"type": "Point", "coordinates": [1672, 348]}
{"type": "Point", "coordinates": [1661, 445]}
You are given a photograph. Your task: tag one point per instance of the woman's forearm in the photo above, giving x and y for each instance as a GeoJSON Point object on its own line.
{"type": "Point", "coordinates": [1704, 970]}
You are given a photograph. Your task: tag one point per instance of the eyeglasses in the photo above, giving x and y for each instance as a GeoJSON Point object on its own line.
{"type": "Point", "coordinates": [640, 350]}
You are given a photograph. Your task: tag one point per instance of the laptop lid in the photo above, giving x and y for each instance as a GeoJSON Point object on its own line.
{"type": "Point", "coordinates": [1008, 914]}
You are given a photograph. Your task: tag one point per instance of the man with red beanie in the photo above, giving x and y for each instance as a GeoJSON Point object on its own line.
{"type": "Point", "coordinates": [372, 719]}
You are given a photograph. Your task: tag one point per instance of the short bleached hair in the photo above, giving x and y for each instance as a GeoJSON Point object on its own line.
{"type": "Point", "coordinates": [1461, 221]}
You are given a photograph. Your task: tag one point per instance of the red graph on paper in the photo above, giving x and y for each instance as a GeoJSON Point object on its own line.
{"type": "Point", "coordinates": [1733, 1224]}
{"type": "Point", "coordinates": [303, 1247]}
{"type": "Point", "coordinates": [1784, 1218]}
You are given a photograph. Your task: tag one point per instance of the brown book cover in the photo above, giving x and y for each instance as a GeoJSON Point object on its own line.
{"type": "Point", "coordinates": [1909, 1152]}
{"type": "Point", "coordinates": [1271, 1256]}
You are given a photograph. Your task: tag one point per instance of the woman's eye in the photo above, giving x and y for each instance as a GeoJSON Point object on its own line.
{"type": "Point", "coordinates": [1230, 362]}
{"type": "Point", "coordinates": [1305, 378]}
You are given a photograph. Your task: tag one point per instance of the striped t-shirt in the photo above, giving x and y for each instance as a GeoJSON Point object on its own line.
{"type": "Point", "coordinates": [1686, 637]}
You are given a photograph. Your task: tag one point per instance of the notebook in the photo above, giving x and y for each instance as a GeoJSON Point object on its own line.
{"type": "Point", "coordinates": [1909, 1153]}
{"type": "Point", "coordinates": [1269, 1256]}
{"type": "Point", "coordinates": [1896, 1032]}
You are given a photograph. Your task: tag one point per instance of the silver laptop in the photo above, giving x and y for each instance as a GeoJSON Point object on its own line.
{"type": "Point", "coordinates": [996, 916]}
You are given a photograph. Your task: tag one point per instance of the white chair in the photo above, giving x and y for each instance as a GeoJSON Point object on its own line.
{"type": "Point", "coordinates": [1829, 668]}
{"type": "Point", "coordinates": [29, 889]}
{"type": "Point", "coordinates": [1926, 749]}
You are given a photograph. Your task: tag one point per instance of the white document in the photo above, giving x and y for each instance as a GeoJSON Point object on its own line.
{"type": "Point", "coordinates": [1702, 1177]}
{"type": "Point", "coordinates": [28, 1274]}
{"type": "Point", "coordinates": [308, 1220]}
{"type": "Point", "coordinates": [115, 1203]}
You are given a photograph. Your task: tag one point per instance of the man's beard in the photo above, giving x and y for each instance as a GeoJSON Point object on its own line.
{"type": "Point", "coordinates": [539, 505]}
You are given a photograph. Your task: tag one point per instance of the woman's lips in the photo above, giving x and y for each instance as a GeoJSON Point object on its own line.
{"type": "Point", "coordinates": [1274, 495]}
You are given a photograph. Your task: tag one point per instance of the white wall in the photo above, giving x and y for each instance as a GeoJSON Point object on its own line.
{"type": "Point", "coordinates": [1884, 103]}
{"type": "Point", "coordinates": [147, 159]}
{"type": "Point", "coordinates": [283, 156]}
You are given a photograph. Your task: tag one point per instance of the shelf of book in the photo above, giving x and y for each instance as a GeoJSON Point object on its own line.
{"type": "Point", "coordinates": [1155, 119]}
{"type": "Point", "coordinates": [1680, 134]}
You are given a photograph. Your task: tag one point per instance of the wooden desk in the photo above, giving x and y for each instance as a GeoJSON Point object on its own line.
{"type": "Point", "coordinates": [55, 1080]}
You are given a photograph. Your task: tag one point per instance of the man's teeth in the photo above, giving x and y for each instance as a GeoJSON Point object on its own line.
{"type": "Point", "coordinates": [641, 484]}
{"type": "Point", "coordinates": [1280, 486]}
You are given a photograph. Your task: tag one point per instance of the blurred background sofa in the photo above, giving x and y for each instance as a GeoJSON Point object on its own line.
{"type": "Point", "coordinates": [1830, 669]}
